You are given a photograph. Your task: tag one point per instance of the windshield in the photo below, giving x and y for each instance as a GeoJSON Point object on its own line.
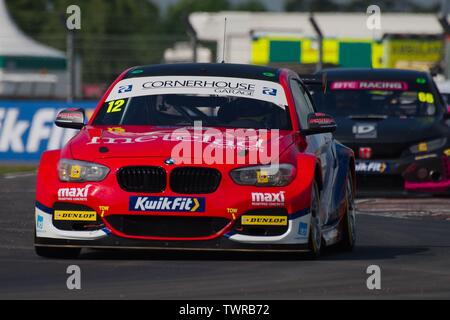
{"type": "Point", "coordinates": [181, 100]}
{"type": "Point", "coordinates": [446, 97]}
{"type": "Point", "coordinates": [377, 98]}
{"type": "Point", "coordinates": [182, 110]}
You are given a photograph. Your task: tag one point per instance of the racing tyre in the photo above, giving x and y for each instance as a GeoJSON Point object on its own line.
{"type": "Point", "coordinates": [349, 220]}
{"type": "Point", "coordinates": [315, 229]}
{"type": "Point", "coordinates": [60, 253]}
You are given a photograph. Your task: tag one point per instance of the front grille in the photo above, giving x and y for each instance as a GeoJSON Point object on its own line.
{"type": "Point", "coordinates": [380, 150]}
{"type": "Point", "coordinates": [426, 170]}
{"type": "Point", "coordinates": [142, 179]}
{"type": "Point", "coordinates": [191, 180]}
{"type": "Point", "coordinates": [167, 226]}
{"type": "Point", "coordinates": [379, 182]}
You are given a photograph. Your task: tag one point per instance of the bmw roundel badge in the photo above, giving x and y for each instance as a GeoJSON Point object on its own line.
{"type": "Point", "coordinates": [169, 161]}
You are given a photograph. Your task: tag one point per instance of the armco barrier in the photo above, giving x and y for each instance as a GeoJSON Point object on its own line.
{"type": "Point", "coordinates": [27, 129]}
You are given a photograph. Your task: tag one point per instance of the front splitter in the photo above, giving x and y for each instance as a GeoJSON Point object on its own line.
{"type": "Point", "coordinates": [219, 244]}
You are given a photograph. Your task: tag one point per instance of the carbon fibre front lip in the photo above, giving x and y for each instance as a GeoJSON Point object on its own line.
{"type": "Point", "coordinates": [218, 244]}
{"type": "Point", "coordinates": [399, 166]}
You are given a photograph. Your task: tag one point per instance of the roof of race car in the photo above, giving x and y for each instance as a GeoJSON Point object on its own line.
{"type": "Point", "coordinates": [367, 73]}
{"type": "Point", "coordinates": [245, 71]}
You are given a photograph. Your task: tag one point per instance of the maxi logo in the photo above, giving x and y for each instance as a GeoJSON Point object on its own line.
{"type": "Point", "coordinates": [268, 198]}
{"type": "Point", "coordinates": [167, 204]}
{"type": "Point", "coordinates": [73, 194]}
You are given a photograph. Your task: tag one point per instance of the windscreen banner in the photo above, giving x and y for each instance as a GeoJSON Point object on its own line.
{"type": "Point", "coordinates": [243, 88]}
{"type": "Point", "coordinates": [27, 128]}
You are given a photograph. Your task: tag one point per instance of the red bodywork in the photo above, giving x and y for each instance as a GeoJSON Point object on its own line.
{"type": "Point", "coordinates": [149, 145]}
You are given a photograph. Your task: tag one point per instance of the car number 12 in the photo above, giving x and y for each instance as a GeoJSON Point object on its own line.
{"type": "Point", "coordinates": [115, 106]}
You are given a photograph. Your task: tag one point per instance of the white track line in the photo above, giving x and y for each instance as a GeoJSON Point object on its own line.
{"type": "Point", "coordinates": [19, 175]}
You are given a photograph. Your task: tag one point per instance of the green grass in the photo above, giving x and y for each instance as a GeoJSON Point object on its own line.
{"type": "Point", "coordinates": [16, 169]}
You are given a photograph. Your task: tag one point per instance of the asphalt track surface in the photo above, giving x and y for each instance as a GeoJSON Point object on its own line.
{"type": "Point", "coordinates": [409, 239]}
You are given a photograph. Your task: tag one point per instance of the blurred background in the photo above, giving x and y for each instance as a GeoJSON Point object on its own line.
{"type": "Point", "coordinates": [45, 67]}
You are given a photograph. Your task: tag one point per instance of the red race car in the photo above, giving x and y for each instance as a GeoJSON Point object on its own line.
{"type": "Point", "coordinates": [198, 157]}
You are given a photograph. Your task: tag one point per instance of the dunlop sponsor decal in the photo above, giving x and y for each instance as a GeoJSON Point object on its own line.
{"type": "Point", "coordinates": [70, 215]}
{"type": "Point", "coordinates": [264, 220]}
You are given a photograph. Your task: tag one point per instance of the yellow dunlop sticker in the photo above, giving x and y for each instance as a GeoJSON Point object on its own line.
{"type": "Point", "coordinates": [262, 177]}
{"type": "Point", "coordinates": [447, 152]}
{"type": "Point", "coordinates": [264, 220]}
{"type": "Point", "coordinates": [75, 172]}
{"type": "Point", "coordinates": [70, 215]}
{"type": "Point", "coordinates": [423, 147]}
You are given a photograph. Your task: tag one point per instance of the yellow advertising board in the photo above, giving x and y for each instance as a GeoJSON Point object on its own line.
{"type": "Point", "coordinates": [391, 53]}
{"type": "Point", "coordinates": [402, 52]}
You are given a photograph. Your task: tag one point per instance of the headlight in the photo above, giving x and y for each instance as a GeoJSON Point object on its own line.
{"type": "Point", "coordinates": [428, 146]}
{"type": "Point", "coordinates": [268, 176]}
{"type": "Point", "coordinates": [80, 171]}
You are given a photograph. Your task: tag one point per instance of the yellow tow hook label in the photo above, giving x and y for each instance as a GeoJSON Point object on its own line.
{"type": "Point", "coordinates": [103, 209]}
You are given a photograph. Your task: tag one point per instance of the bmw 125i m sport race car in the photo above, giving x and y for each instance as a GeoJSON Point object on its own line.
{"type": "Point", "coordinates": [397, 124]}
{"type": "Point", "coordinates": [197, 157]}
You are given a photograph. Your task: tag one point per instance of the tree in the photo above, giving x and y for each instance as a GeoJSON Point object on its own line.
{"type": "Point", "coordinates": [177, 13]}
{"type": "Point", "coordinates": [114, 35]}
{"type": "Point", "coordinates": [24, 13]}
{"type": "Point", "coordinates": [251, 5]}
{"type": "Point", "coordinates": [358, 6]}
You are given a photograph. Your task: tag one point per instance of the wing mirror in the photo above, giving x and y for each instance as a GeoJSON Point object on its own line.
{"type": "Point", "coordinates": [319, 123]}
{"type": "Point", "coordinates": [71, 118]}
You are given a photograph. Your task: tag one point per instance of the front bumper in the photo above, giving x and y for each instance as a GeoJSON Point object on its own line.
{"type": "Point", "coordinates": [295, 238]}
{"type": "Point", "coordinates": [422, 173]}
{"type": "Point", "coordinates": [124, 218]}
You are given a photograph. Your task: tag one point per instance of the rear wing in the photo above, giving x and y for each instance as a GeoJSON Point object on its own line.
{"type": "Point", "coordinates": [311, 80]}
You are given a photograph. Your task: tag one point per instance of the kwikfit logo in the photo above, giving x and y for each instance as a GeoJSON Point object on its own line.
{"type": "Point", "coordinates": [73, 194]}
{"type": "Point", "coordinates": [268, 198]}
{"type": "Point", "coordinates": [178, 204]}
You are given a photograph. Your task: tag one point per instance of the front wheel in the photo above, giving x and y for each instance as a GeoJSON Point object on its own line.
{"type": "Point", "coordinates": [349, 220]}
{"type": "Point", "coordinates": [315, 229]}
{"type": "Point", "coordinates": [59, 253]}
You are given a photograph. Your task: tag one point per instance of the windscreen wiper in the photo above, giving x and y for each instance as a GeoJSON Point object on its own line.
{"type": "Point", "coordinates": [368, 116]}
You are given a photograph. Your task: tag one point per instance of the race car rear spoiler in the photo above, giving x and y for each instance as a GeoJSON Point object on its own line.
{"type": "Point", "coordinates": [314, 80]}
